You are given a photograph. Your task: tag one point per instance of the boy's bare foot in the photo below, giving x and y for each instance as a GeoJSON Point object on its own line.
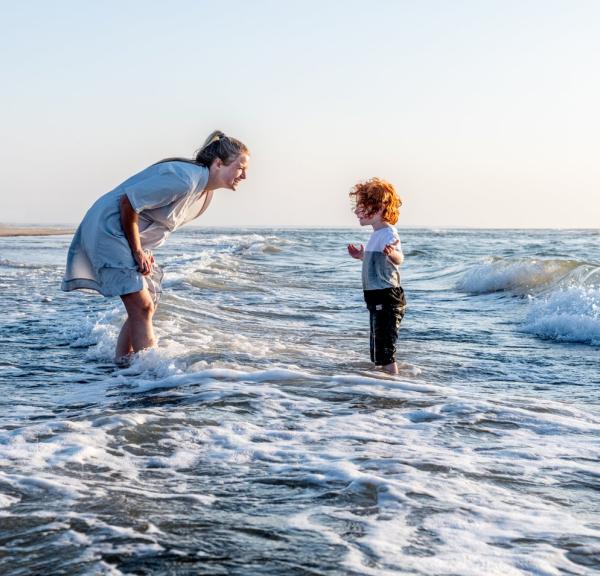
{"type": "Point", "coordinates": [390, 368]}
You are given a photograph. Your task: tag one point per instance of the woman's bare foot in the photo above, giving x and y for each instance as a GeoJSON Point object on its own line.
{"type": "Point", "coordinates": [123, 361]}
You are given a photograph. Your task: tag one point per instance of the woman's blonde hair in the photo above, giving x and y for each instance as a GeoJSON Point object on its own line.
{"type": "Point", "coordinates": [374, 194]}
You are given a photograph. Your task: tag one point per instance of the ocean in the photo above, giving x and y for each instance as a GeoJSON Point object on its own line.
{"type": "Point", "coordinates": [258, 440]}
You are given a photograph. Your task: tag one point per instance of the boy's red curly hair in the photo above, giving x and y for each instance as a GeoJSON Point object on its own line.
{"type": "Point", "coordinates": [374, 194]}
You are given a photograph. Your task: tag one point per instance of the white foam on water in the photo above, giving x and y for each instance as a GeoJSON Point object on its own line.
{"type": "Point", "coordinates": [477, 523]}
{"type": "Point", "coordinates": [386, 383]}
{"type": "Point", "coordinates": [566, 315]}
{"type": "Point", "coordinates": [475, 541]}
{"type": "Point", "coordinates": [98, 333]}
{"type": "Point", "coordinates": [73, 460]}
{"type": "Point", "coordinates": [50, 450]}
{"type": "Point", "coordinates": [7, 501]}
{"type": "Point", "coordinates": [178, 268]}
{"type": "Point", "coordinates": [248, 243]}
{"type": "Point", "coordinates": [564, 295]}
{"type": "Point", "coordinates": [408, 463]}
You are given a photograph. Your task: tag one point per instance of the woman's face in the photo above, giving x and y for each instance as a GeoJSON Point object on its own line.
{"type": "Point", "coordinates": [229, 176]}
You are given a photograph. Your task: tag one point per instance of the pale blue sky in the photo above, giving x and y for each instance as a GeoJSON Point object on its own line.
{"type": "Point", "coordinates": [481, 112]}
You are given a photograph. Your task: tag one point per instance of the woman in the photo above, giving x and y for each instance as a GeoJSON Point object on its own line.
{"type": "Point", "coordinates": [110, 252]}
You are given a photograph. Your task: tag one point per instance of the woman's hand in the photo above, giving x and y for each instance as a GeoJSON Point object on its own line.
{"type": "Point", "coordinates": [355, 252]}
{"type": "Point", "coordinates": [144, 261]}
{"type": "Point", "coordinates": [129, 222]}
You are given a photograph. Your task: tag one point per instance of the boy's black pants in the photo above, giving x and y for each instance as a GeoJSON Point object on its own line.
{"type": "Point", "coordinates": [386, 310]}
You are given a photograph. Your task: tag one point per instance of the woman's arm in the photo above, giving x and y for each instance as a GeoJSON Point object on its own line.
{"type": "Point", "coordinates": [129, 222]}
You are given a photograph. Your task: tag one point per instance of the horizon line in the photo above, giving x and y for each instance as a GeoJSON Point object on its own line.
{"type": "Point", "coordinates": [319, 226]}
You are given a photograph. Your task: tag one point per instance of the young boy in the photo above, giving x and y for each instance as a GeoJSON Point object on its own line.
{"type": "Point", "coordinates": [377, 204]}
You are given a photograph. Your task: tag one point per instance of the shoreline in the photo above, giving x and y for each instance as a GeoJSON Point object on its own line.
{"type": "Point", "coordinates": [8, 230]}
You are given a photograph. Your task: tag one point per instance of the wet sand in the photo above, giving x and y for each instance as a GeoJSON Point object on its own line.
{"type": "Point", "coordinates": [8, 230]}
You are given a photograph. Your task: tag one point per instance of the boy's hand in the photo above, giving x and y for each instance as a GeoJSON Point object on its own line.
{"type": "Point", "coordinates": [389, 248]}
{"type": "Point", "coordinates": [393, 255]}
{"type": "Point", "coordinates": [355, 252]}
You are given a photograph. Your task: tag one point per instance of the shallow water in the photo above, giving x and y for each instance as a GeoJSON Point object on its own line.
{"type": "Point", "coordinates": [258, 440]}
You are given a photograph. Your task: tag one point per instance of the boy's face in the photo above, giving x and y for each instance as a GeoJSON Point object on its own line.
{"type": "Point", "coordinates": [368, 219]}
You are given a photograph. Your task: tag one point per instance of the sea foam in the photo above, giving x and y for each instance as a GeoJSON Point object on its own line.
{"type": "Point", "coordinates": [569, 315]}
{"type": "Point", "coordinates": [564, 295]}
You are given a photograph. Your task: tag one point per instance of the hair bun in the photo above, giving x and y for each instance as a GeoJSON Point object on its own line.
{"type": "Point", "coordinates": [219, 145]}
{"type": "Point", "coordinates": [214, 136]}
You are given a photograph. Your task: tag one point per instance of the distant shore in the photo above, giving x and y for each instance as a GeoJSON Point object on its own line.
{"type": "Point", "coordinates": [8, 230]}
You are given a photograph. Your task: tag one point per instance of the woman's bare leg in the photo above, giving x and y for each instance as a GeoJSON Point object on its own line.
{"type": "Point", "coordinates": [137, 332]}
{"type": "Point", "coordinates": [123, 342]}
